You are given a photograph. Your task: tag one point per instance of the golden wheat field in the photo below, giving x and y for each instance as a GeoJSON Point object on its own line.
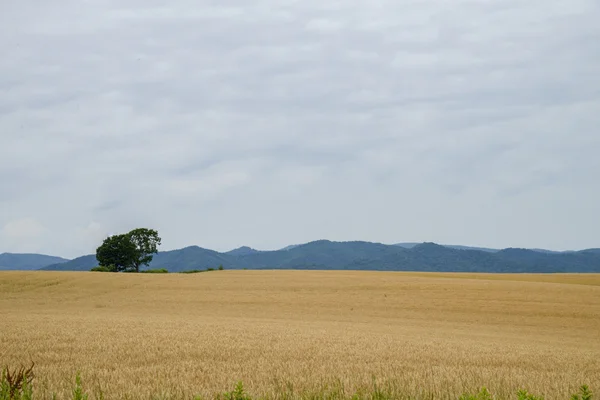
{"type": "Point", "coordinates": [419, 335]}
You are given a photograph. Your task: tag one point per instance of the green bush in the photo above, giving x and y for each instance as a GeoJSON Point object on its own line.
{"type": "Point", "coordinates": [197, 271]}
{"type": "Point", "coordinates": [155, 271]}
{"type": "Point", "coordinates": [103, 268]}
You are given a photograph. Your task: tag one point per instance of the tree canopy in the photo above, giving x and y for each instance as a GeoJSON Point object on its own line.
{"type": "Point", "coordinates": [129, 251]}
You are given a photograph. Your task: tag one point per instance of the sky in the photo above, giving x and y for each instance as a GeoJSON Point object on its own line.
{"type": "Point", "coordinates": [276, 122]}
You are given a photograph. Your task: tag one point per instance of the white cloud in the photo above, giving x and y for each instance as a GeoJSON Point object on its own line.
{"type": "Point", "coordinates": [23, 229]}
{"type": "Point", "coordinates": [278, 122]}
{"type": "Point", "coordinates": [324, 25]}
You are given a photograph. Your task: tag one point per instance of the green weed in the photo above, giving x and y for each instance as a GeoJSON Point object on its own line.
{"type": "Point", "coordinates": [18, 385]}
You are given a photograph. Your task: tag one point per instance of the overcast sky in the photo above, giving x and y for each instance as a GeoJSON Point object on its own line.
{"type": "Point", "coordinates": [272, 122]}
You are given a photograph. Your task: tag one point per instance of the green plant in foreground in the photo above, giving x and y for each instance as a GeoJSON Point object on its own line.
{"type": "Point", "coordinates": [78, 392]}
{"type": "Point", "coordinates": [17, 384]}
{"type": "Point", "coordinates": [483, 394]}
{"type": "Point", "coordinates": [525, 395]}
{"type": "Point", "coordinates": [377, 393]}
{"type": "Point", "coordinates": [584, 394]}
{"type": "Point", "coordinates": [237, 394]}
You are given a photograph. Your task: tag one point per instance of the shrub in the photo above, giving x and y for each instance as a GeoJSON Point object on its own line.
{"type": "Point", "coordinates": [156, 271]}
{"type": "Point", "coordinates": [197, 271]}
{"type": "Point", "coordinates": [104, 268]}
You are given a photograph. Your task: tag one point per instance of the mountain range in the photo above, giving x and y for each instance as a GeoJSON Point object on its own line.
{"type": "Point", "coordinates": [27, 261]}
{"type": "Point", "coordinates": [324, 254]}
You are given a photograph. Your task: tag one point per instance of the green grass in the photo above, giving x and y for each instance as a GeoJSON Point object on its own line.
{"type": "Point", "coordinates": [155, 271]}
{"type": "Point", "coordinates": [197, 271]}
{"type": "Point", "coordinates": [102, 268]}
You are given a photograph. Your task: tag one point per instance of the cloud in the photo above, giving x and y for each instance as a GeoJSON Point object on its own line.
{"type": "Point", "coordinates": [270, 123]}
{"type": "Point", "coordinates": [26, 228]}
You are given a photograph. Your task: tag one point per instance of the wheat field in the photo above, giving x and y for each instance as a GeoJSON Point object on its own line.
{"type": "Point", "coordinates": [419, 335]}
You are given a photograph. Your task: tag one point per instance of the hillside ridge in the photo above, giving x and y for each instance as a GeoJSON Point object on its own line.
{"type": "Point", "coordinates": [27, 261]}
{"type": "Point", "coordinates": [362, 255]}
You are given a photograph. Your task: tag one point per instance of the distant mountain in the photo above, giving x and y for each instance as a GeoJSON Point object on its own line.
{"type": "Point", "coordinates": [191, 258]}
{"type": "Point", "coordinates": [11, 261]}
{"type": "Point", "coordinates": [83, 263]}
{"type": "Point", "coordinates": [434, 257]}
{"type": "Point", "coordinates": [551, 251]}
{"type": "Point", "coordinates": [535, 261]}
{"type": "Point", "coordinates": [242, 251]}
{"type": "Point", "coordinates": [597, 251]}
{"type": "Point", "coordinates": [292, 246]}
{"type": "Point", "coordinates": [325, 254]}
{"type": "Point", "coordinates": [458, 247]}
{"type": "Point", "coordinates": [321, 254]}
{"type": "Point", "coordinates": [410, 245]}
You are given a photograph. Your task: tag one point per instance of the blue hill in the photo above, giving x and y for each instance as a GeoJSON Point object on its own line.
{"type": "Point", "coordinates": [325, 254]}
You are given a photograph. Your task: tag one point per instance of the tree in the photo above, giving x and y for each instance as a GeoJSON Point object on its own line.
{"type": "Point", "coordinates": [146, 242]}
{"type": "Point", "coordinates": [117, 251]}
{"type": "Point", "coordinates": [129, 251]}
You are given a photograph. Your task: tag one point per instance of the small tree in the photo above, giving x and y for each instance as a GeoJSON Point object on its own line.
{"type": "Point", "coordinates": [129, 251]}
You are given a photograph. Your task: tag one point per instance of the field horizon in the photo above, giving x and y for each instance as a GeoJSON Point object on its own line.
{"type": "Point", "coordinates": [424, 335]}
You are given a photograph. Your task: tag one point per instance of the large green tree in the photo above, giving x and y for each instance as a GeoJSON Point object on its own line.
{"type": "Point", "coordinates": [128, 251]}
{"type": "Point", "coordinates": [146, 242]}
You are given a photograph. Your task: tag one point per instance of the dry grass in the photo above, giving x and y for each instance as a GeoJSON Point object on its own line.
{"type": "Point", "coordinates": [423, 335]}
